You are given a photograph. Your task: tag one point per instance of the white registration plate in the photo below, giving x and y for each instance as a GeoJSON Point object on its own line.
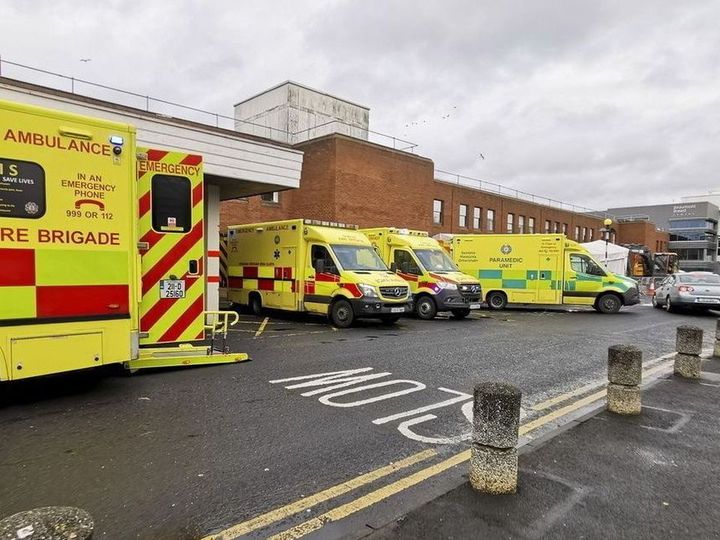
{"type": "Point", "coordinates": [474, 306]}
{"type": "Point", "coordinates": [397, 310]}
{"type": "Point", "coordinates": [172, 288]}
{"type": "Point", "coordinates": [707, 300]}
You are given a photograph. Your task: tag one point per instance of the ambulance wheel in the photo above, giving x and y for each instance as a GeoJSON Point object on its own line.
{"type": "Point", "coordinates": [256, 304]}
{"type": "Point", "coordinates": [608, 303]}
{"type": "Point", "coordinates": [425, 308]}
{"type": "Point", "coordinates": [392, 319]}
{"type": "Point", "coordinates": [460, 313]}
{"type": "Point", "coordinates": [341, 314]}
{"type": "Point", "coordinates": [496, 300]}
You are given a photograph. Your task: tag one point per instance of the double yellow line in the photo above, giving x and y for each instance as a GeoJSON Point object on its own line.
{"type": "Point", "coordinates": [396, 487]}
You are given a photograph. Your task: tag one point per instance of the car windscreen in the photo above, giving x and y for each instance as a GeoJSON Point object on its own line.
{"type": "Point", "coordinates": [435, 260]}
{"type": "Point", "coordinates": [700, 279]}
{"type": "Point", "coordinates": [358, 258]}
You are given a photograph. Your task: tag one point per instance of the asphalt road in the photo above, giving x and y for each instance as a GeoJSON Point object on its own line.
{"type": "Point", "coordinates": [187, 452]}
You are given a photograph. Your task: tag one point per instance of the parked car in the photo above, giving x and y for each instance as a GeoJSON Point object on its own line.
{"type": "Point", "coordinates": [691, 290]}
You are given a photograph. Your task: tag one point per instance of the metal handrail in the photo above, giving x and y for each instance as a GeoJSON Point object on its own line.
{"type": "Point", "coordinates": [219, 324]}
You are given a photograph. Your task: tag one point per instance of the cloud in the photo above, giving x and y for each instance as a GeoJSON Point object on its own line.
{"type": "Point", "coordinates": [594, 103]}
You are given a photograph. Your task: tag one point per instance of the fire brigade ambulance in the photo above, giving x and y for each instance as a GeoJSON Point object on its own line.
{"type": "Point", "coordinates": [101, 248]}
{"type": "Point", "coordinates": [540, 269]}
{"type": "Point", "coordinates": [435, 281]}
{"type": "Point", "coordinates": [313, 266]}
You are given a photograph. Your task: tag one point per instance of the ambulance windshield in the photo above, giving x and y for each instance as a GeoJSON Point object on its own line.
{"type": "Point", "coordinates": [358, 258]}
{"type": "Point", "coordinates": [435, 260]}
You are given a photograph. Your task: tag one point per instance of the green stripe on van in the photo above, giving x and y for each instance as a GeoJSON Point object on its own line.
{"type": "Point", "coordinates": [490, 274]}
{"type": "Point", "coordinates": [514, 284]}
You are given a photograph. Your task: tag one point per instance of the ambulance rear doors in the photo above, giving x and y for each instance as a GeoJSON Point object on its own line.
{"type": "Point", "coordinates": [171, 246]}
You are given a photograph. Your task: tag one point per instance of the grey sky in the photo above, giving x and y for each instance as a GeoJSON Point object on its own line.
{"type": "Point", "coordinates": [601, 104]}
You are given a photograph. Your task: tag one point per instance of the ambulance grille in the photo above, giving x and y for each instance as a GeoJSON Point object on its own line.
{"type": "Point", "coordinates": [394, 292]}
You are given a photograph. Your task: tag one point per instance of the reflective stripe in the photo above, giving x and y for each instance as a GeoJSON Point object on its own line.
{"type": "Point", "coordinates": [17, 267]}
{"type": "Point", "coordinates": [82, 300]}
{"type": "Point", "coordinates": [80, 267]}
{"type": "Point", "coordinates": [17, 303]}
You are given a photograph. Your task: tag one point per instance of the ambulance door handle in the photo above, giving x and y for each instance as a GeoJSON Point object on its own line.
{"type": "Point", "coordinates": [193, 267]}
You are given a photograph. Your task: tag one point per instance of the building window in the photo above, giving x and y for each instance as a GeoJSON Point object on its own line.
{"type": "Point", "coordinates": [547, 226]}
{"type": "Point", "coordinates": [577, 233]}
{"type": "Point", "coordinates": [556, 227]}
{"type": "Point", "coordinates": [531, 225]}
{"type": "Point", "coordinates": [584, 235]}
{"type": "Point", "coordinates": [437, 212]}
{"type": "Point", "coordinates": [462, 215]}
{"type": "Point", "coordinates": [565, 228]}
{"type": "Point", "coordinates": [477, 212]}
{"type": "Point", "coordinates": [510, 220]}
{"type": "Point", "coordinates": [521, 224]}
{"type": "Point", "coordinates": [490, 221]}
{"type": "Point", "coordinates": [273, 197]}
{"type": "Point", "coordinates": [592, 233]}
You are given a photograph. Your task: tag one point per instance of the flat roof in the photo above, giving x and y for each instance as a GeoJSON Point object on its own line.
{"type": "Point", "coordinates": [288, 82]}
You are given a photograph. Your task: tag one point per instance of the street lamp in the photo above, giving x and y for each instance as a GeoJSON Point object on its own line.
{"type": "Point", "coordinates": [607, 230]}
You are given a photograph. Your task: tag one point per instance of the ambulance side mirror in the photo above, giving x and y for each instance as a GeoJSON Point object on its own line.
{"type": "Point", "coordinates": [393, 267]}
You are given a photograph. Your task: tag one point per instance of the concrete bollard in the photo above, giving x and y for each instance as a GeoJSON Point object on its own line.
{"type": "Point", "coordinates": [716, 349]}
{"type": "Point", "coordinates": [48, 523]}
{"type": "Point", "coordinates": [688, 363]}
{"type": "Point", "coordinates": [496, 421]}
{"type": "Point", "coordinates": [624, 378]}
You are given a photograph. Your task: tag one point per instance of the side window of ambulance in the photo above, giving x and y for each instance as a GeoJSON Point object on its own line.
{"type": "Point", "coordinates": [585, 265]}
{"type": "Point", "coordinates": [22, 189]}
{"type": "Point", "coordinates": [171, 201]}
{"type": "Point", "coordinates": [405, 263]}
{"type": "Point", "coordinates": [577, 263]}
{"type": "Point", "coordinates": [321, 260]}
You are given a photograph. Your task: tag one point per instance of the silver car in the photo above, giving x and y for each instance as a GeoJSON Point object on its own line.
{"type": "Point", "coordinates": [694, 290]}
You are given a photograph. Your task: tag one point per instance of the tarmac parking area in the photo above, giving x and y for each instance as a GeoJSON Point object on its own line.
{"type": "Point", "coordinates": [320, 421]}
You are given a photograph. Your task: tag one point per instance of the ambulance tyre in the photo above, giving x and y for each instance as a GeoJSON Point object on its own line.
{"type": "Point", "coordinates": [496, 300]}
{"type": "Point", "coordinates": [460, 313]}
{"type": "Point", "coordinates": [341, 313]}
{"type": "Point", "coordinates": [425, 308]}
{"type": "Point", "coordinates": [608, 303]}
{"type": "Point", "coordinates": [389, 319]}
{"type": "Point", "coordinates": [255, 303]}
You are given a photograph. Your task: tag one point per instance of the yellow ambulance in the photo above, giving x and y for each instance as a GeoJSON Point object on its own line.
{"type": "Point", "coordinates": [313, 266]}
{"type": "Point", "coordinates": [543, 269]}
{"type": "Point", "coordinates": [101, 247]}
{"type": "Point", "coordinates": [435, 281]}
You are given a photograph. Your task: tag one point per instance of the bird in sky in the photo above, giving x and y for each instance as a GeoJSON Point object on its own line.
{"type": "Point", "coordinates": [85, 59]}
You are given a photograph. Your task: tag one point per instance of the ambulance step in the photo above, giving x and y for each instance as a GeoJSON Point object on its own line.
{"type": "Point", "coordinates": [182, 355]}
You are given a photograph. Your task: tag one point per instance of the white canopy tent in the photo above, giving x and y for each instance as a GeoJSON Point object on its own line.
{"type": "Point", "coordinates": [617, 256]}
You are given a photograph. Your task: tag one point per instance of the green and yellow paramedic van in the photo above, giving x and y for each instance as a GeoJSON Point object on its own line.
{"type": "Point", "coordinates": [545, 269]}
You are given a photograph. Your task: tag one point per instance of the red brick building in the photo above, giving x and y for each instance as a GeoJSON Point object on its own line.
{"type": "Point", "coordinates": [643, 233]}
{"type": "Point", "coordinates": [351, 180]}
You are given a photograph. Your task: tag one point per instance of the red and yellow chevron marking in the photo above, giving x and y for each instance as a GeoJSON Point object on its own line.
{"type": "Point", "coordinates": [168, 254]}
